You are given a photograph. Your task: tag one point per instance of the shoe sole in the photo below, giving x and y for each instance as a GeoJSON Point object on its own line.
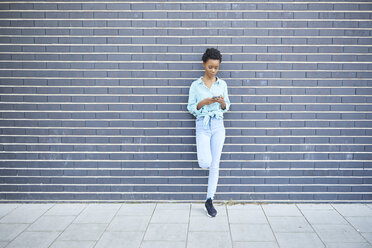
{"type": "Point", "coordinates": [205, 208]}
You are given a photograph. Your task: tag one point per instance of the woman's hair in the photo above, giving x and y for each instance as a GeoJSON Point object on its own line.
{"type": "Point", "coordinates": [212, 53]}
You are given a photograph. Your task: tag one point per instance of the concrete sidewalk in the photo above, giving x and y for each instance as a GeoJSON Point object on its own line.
{"type": "Point", "coordinates": [173, 225]}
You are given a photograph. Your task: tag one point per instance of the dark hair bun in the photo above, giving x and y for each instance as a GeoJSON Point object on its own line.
{"type": "Point", "coordinates": [212, 53]}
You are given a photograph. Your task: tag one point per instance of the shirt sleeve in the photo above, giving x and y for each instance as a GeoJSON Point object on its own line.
{"type": "Point", "coordinates": [192, 102]}
{"type": "Point", "coordinates": [226, 98]}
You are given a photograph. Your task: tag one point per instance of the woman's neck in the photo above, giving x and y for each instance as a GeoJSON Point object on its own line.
{"type": "Point", "coordinates": [210, 79]}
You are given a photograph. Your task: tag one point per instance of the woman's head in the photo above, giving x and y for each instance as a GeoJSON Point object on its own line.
{"type": "Point", "coordinates": [211, 61]}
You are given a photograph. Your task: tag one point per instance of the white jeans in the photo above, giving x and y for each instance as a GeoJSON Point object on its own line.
{"type": "Point", "coordinates": [209, 144]}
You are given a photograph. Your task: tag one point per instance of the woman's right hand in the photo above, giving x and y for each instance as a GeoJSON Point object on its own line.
{"type": "Point", "coordinates": [206, 101]}
{"type": "Point", "coordinates": [210, 100]}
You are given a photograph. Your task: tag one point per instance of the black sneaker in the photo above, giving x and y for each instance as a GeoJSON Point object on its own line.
{"type": "Point", "coordinates": [211, 211]}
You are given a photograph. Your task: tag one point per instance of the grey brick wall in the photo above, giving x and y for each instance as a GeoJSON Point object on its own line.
{"type": "Point", "coordinates": [94, 94]}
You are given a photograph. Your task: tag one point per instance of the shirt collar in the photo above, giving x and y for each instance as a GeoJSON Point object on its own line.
{"type": "Point", "coordinates": [217, 82]}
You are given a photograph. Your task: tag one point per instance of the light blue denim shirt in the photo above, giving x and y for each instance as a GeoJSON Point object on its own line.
{"type": "Point", "coordinates": [199, 91]}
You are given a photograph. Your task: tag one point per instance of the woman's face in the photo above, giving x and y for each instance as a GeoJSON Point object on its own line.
{"type": "Point", "coordinates": [211, 67]}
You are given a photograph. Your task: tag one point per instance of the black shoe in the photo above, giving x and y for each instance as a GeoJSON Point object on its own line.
{"type": "Point", "coordinates": [211, 211]}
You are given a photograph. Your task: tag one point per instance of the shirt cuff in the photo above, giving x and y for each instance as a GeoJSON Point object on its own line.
{"type": "Point", "coordinates": [194, 111]}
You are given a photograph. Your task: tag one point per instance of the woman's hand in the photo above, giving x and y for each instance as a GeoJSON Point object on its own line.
{"type": "Point", "coordinates": [222, 102]}
{"type": "Point", "coordinates": [210, 100]}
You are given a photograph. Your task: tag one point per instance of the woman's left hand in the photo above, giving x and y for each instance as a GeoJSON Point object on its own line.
{"type": "Point", "coordinates": [222, 102]}
{"type": "Point", "coordinates": [221, 99]}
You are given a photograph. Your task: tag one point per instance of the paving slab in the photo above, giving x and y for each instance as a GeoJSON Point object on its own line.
{"type": "Point", "coordinates": [209, 239]}
{"type": "Point", "coordinates": [166, 232]}
{"type": "Point", "coordinates": [120, 240]}
{"type": "Point", "coordinates": [291, 224]}
{"type": "Point", "coordinates": [73, 244]}
{"type": "Point", "coordinates": [338, 233]}
{"type": "Point", "coordinates": [47, 223]}
{"type": "Point", "coordinates": [129, 223]}
{"type": "Point", "coordinates": [33, 239]}
{"type": "Point", "coordinates": [296, 240]}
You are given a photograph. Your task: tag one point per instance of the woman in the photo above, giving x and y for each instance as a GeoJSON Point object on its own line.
{"type": "Point", "coordinates": [208, 100]}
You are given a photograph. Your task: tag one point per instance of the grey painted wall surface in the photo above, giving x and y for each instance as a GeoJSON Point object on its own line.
{"type": "Point", "coordinates": [94, 94]}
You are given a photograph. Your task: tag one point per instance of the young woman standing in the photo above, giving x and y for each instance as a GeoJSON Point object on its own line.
{"type": "Point", "coordinates": [208, 100]}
